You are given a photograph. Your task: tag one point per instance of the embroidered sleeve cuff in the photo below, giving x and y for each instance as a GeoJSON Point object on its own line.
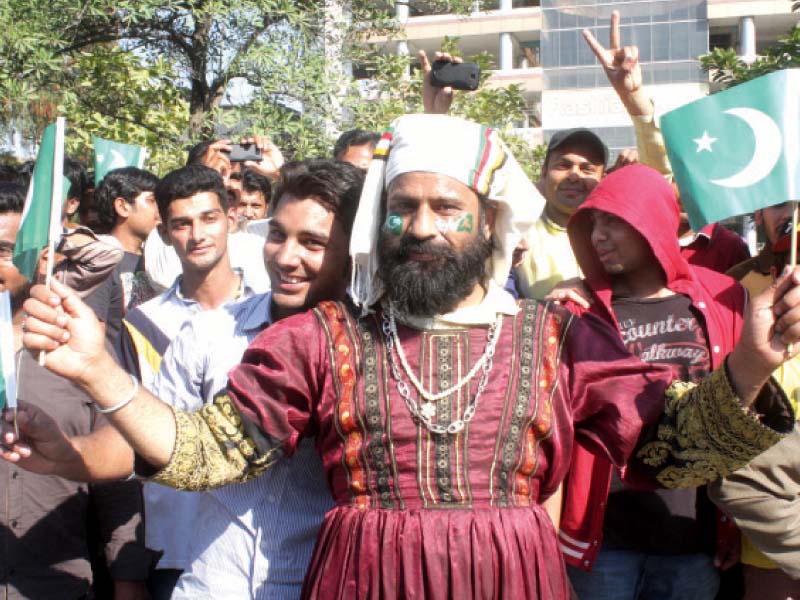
{"type": "Point", "coordinates": [212, 449]}
{"type": "Point", "coordinates": [705, 434]}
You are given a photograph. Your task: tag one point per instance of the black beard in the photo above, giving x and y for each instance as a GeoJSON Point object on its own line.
{"type": "Point", "coordinates": [432, 287]}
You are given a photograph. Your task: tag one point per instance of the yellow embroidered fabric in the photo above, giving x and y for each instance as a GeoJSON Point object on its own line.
{"type": "Point", "coordinates": [212, 449]}
{"type": "Point", "coordinates": [704, 434]}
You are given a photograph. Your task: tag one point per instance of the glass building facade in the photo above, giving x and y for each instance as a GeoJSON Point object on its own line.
{"type": "Point", "coordinates": [671, 35]}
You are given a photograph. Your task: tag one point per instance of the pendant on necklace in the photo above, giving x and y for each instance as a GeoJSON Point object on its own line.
{"type": "Point", "coordinates": [428, 410]}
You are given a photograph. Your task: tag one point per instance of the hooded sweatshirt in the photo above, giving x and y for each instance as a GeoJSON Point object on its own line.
{"type": "Point", "coordinates": [641, 197]}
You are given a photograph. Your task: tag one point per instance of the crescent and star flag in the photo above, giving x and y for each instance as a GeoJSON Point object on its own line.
{"type": "Point", "coordinates": [739, 150]}
{"type": "Point", "coordinates": [110, 155]}
{"type": "Point", "coordinates": [41, 217]}
{"type": "Point", "coordinates": [8, 370]}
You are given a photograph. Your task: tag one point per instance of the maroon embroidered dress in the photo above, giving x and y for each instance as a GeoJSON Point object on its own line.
{"type": "Point", "coordinates": [420, 515]}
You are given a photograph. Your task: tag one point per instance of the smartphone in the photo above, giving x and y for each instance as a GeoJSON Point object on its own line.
{"type": "Point", "coordinates": [459, 76]}
{"type": "Point", "coordinates": [244, 152]}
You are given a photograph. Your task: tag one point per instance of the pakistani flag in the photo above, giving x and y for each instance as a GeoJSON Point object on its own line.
{"type": "Point", "coordinates": [41, 218]}
{"type": "Point", "coordinates": [110, 155]}
{"type": "Point", "coordinates": [8, 370]}
{"type": "Point", "coordinates": [739, 150]}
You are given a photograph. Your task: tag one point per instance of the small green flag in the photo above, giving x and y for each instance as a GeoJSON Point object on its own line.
{"type": "Point", "coordinates": [110, 155]}
{"type": "Point", "coordinates": [739, 150]}
{"type": "Point", "coordinates": [8, 367]}
{"type": "Point", "coordinates": [40, 216]}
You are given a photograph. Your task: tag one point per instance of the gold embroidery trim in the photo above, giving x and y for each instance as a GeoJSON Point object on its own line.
{"type": "Point", "coordinates": [704, 434]}
{"type": "Point", "coordinates": [212, 449]}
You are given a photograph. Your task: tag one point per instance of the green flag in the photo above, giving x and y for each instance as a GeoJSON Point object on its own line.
{"type": "Point", "coordinates": [110, 155]}
{"type": "Point", "coordinates": [8, 371]}
{"type": "Point", "coordinates": [41, 216]}
{"type": "Point", "coordinates": [737, 151]}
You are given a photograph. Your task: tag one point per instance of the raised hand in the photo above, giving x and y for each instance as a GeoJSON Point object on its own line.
{"type": "Point", "coordinates": [217, 158]}
{"type": "Point", "coordinates": [435, 100]}
{"type": "Point", "coordinates": [271, 157]}
{"type": "Point", "coordinates": [59, 323]}
{"type": "Point", "coordinates": [771, 328]}
{"type": "Point", "coordinates": [621, 64]}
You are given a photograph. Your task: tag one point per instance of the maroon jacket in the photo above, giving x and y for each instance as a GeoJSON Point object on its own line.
{"type": "Point", "coordinates": [716, 248]}
{"type": "Point", "coordinates": [640, 196]}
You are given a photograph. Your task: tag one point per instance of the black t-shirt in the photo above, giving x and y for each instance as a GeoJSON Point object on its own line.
{"type": "Point", "coordinates": [664, 331]}
{"type": "Point", "coordinates": [109, 301]}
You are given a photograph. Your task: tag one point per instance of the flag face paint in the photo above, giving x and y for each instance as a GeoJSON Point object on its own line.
{"type": "Point", "coordinates": [394, 223]}
{"type": "Point", "coordinates": [462, 223]}
{"type": "Point", "coordinates": [110, 155]}
{"type": "Point", "coordinates": [737, 151]}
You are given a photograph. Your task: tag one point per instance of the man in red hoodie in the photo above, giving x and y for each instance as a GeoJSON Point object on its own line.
{"type": "Point", "coordinates": [622, 542]}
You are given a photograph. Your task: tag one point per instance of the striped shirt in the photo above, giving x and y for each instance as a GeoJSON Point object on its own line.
{"type": "Point", "coordinates": [251, 540]}
{"type": "Point", "coordinates": [146, 334]}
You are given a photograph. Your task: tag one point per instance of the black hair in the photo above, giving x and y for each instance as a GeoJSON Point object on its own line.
{"type": "Point", "coordinates": [75, 172]}
{"type": "Point", "coordinates": [255, 182]}
{"type": "Point", "coordinates": [336, 184]}
{"type": "Point", "coordinates": [19, 173]}
{"type": "Point", "coordinates": [12, 197]}
{"type": "Point", "coordinates": [197, 153]}
{"type": "Point", "coordinates": [185, 183]}
{"type": "Point", "coordinates": [13, 174]}
{"type": "Point", "coordinates": [354, 137]}
{"type": "Point", "coordinates": [125, 183]}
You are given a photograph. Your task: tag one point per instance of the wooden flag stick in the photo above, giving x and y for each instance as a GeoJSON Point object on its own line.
{"type": "Point", "coordinates": [793, 251]}
{"type": "Point", "coordinates": [793, 254]}
{"type": "Point", "coordinates": [54, 232]}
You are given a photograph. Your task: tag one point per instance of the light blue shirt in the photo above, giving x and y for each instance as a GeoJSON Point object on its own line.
{"type": "Point", "coordinates": [255, 539]}
{"type": "Point", "coordinates": [168, 512]}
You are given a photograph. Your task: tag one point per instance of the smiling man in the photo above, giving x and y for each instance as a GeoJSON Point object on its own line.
{"type": "Point", "coordinates": [193, 205]}
{"type": "Point", "coordinates": [574, 164]}
{"type": "Point", "coordinates": [442, 421]}
{"type": "Point", "coordinates": [254, 540]}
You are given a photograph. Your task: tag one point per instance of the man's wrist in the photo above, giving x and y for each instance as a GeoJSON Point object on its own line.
{"type": "Point", "coordinates": [106, 382]}
{"type": "Point", "coordinates": [744, 376]}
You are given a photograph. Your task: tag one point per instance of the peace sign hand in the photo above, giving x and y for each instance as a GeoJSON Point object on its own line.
{"type": "Point", "coordinates": [621, 64]}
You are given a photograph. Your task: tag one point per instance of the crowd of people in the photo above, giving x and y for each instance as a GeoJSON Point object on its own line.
{"type": "Point", "coordinates": [403, 371]}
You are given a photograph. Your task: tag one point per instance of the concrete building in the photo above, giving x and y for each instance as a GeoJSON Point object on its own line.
{"type": "Point", "coordinates": [538, 45]}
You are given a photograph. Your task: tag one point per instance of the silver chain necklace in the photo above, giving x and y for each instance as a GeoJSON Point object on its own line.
{"type": "Point", "coordinates": [427, 411]}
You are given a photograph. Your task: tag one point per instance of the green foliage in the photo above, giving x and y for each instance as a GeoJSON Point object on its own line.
{"type": "Point", "coordinates": [158, 74]}
{"type": "Point", "coordinates": [728, 70]}
{"type": "Point", "coordinates": [114, 95]}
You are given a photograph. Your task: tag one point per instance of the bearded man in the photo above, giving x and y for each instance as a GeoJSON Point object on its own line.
{"type": "Point", "coordinates": [443, 410]}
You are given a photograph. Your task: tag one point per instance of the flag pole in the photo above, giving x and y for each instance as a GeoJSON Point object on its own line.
{"type": "Point", "coordinates": [793, 253]}
{"type": "Point", "coordinates": [56, 200]}
{"type": "Point", "coordinates": [9, 371]}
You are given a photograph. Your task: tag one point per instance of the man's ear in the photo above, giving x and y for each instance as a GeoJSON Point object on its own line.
{"type": "Point", "coordinates": [491, 215]}
{"type": "Point", "coordinates": [162, 231]}
{"type": "Point", "coordinates": [71, 206]}
{"type": "Point", "coordinates": [233, 219]}
{"type": "Point", "coordinates": [122, 208]}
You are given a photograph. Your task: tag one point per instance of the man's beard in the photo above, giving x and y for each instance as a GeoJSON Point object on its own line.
{"type": "Point", "coordinates": [432, 287]}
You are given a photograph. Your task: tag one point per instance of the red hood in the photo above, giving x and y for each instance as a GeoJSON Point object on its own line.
{"type": "Point", "coordinates": [643, 198]}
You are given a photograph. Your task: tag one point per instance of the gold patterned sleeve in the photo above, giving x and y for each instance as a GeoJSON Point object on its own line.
{"type": "Point", "coordinates": [213, 447]}
{"type": "Point", "coordinates": [705, 434]}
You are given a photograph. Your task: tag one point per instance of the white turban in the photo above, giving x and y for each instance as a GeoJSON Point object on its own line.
{"type": "Point", "coordinates": [468, 152]}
